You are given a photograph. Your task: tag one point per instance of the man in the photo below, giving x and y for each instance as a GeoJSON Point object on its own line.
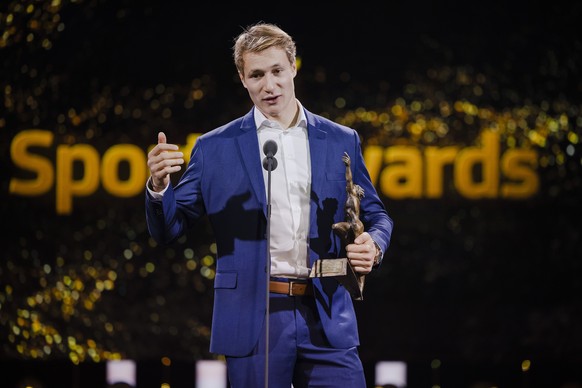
{"type": "Point", "coordinates": [312, 328]}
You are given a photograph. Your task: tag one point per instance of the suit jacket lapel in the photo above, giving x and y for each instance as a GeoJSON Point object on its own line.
{"type": "Point", "coordinates": [249, 149]}
{"type": "Point", "coordinates": [318, 154]}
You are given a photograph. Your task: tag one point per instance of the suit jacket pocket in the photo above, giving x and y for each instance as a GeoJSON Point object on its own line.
{"type": "Point", "coordinates": [225, 280]}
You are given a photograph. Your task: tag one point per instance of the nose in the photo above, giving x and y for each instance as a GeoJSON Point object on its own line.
{"type": "Point", "coordinates": [269, 82]}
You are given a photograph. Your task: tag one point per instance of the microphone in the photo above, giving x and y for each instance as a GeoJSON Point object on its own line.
{"type": "Point", "coordinates": [269, 164]}
{"type": "Point", "coordinates": [270, 149]}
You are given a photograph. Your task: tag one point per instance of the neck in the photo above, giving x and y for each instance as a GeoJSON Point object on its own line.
{"type": "Point", "coordinates": [286, 120]}
{"type": "Point", "coordinates": [294, 119]}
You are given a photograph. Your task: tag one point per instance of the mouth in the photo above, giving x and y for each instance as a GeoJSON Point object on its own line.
{"type": "Point", "coordinates": [271, 100]}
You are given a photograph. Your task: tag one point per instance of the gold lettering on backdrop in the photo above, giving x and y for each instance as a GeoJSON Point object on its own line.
{"type": "Point", "coordinates": [40, 166]}
{"type": "Point", "coordinates": [38, 175]}
{"type": "Point", "coordinates": [436, 159]}
{"type": "Point", "coordinates": [138, 174]}
{"type": "Point", "coordinates": [399, 171]}
{"type": "Point", "coordinates": [484, 158]}
{"type": "Point", "coordinates": [404, 177]}
{"type": "Point", "coordinates": [481, 171]}
{"type": "Point", "coordinates": [69, 187]}
{"type": "Point", "coordinates": [519, 165]}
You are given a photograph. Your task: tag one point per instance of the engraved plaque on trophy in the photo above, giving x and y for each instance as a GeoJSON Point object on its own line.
{"type": "Point", "coordinates": [347, 230]}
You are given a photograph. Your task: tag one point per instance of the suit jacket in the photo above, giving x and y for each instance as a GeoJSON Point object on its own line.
{"type": "Point", "coordinates": [224, 180]}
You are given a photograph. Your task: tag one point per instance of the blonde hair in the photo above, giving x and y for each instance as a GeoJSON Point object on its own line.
{"type": "Point", "coordinates": [259, 37]}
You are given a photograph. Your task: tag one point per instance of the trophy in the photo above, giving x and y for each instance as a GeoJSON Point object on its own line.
{"type": "Point", "coordinates": [347, 231]}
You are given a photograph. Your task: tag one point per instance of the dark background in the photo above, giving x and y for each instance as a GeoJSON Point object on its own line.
{"type": "Point", "coordinates": [469, 289]}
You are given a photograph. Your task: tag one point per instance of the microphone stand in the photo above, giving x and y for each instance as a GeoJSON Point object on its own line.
{"type": "Point", "coordinates": [268, 273]}
{"type": "Point", "coordinates": [269, 163]}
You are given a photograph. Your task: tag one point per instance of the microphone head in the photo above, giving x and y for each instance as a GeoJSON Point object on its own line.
{"type": "Point", "coordinates": [269, 163]}
{"type": "Point", "coordinates": [270, 148]}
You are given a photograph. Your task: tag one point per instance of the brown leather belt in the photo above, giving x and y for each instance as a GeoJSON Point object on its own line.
{"type": "Point", "coordinates": [291, 288]}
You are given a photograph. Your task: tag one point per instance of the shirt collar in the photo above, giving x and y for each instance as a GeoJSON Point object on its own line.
{"type": "Point", "coordinates": [262, 121]}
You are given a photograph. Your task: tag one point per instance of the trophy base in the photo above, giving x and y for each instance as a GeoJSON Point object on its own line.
{"type": "Point", "coordinates": [342, 270]}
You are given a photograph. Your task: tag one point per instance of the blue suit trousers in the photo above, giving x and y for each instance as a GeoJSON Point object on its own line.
{"type": "Point", "coordinates": [299, 356]}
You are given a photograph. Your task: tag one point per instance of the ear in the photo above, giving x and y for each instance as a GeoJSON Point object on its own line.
{"type": "Point", "coordinates": [294, 69]}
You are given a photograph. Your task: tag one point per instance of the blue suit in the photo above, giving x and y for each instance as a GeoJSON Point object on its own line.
{"type": "Point", "coordinates": [224, 180]}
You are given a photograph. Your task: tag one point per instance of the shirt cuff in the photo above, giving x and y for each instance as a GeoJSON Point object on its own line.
{"type": "Point", "coordinates": [379, 254]}
{"type": "Point", "coordinates": [155, 194]}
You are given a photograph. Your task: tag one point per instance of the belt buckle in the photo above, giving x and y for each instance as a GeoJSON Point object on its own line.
{"type": "Point", "coordinates": [301, 285]}
{"type": "Point", "coordinates": [291, 283]}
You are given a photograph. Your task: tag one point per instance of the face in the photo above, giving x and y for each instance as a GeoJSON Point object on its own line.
{"type": "Point", "coordinates": [268, 77]}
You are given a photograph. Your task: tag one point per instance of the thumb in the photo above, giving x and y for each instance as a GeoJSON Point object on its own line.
{"type": "Point", "coordinates": [161, 137]}
{"type": "Point", "coordinates": [362, 238]}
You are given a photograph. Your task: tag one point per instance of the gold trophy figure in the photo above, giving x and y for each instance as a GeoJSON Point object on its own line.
{"type": "Point", "coordinates": [347, 230]}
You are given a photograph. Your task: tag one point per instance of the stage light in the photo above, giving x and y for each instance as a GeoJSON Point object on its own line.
{"type": "Point", "coordinates": [211, 374]}
{"type": "Point", "coordinates": [390, 374]}
{"type": "Point", "coordinates": [121, 373]}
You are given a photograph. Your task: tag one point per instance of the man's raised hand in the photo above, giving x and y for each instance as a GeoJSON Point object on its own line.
{"type": "Point", "coordinates": [163, 160]}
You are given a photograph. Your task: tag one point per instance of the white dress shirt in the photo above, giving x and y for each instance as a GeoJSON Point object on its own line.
{"type": "Point", "coordinates": [290, 195]}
